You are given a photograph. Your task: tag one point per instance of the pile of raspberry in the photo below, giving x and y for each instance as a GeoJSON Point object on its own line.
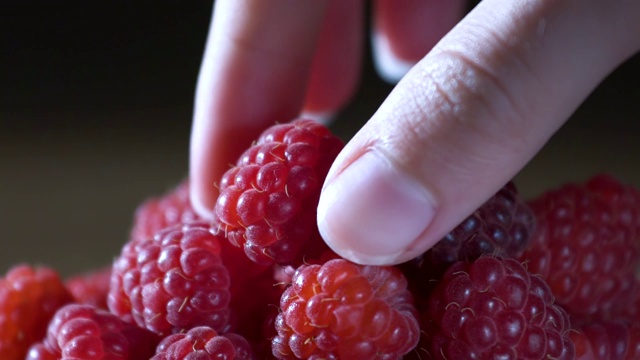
{"type": "Point", "coordinates": [550, 278]}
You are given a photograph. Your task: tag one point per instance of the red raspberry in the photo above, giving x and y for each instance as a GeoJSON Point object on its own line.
{"type": "Point", "coordinates": [502, 226]}
{"type": "Point", "coordinates": [267, 202]}
{"type": "Point", "coordinates": [341, 310]}
{"type": "Point", "coordinates": [607, 340]}
{"type": "Point", "coordinates": [91, 288]}
{"type": "Point", "coordinates": [632, 312]}
{"type": "Point", "coordinates": [155, 214]}
{"type": "Point", "coordinates": [492, 308]}
{"type": "Point", "coordinates": [29, 297]}
{"type": "Point", "coordinates": [84, 332]}
{"type": "Point", "coordinates": [172, 282]}
{"type": "Point", "coordinates": [252, 305]}
{"type": "Point", "coordinates": [587, 246]}
{"type": "Point", "coordinates": [174, 208]}
{"type": "Point", "coordinates": [248, 312]}
{"type": "Point", "coordinates": [203, 343]}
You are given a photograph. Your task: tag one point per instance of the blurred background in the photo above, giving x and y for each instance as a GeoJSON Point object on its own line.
{"type": "Point", "coordinates": [95, 113]}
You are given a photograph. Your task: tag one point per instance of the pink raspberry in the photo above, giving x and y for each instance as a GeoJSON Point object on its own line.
{"type": "Point", "coordinates": [587, 246]}
{"type": "Point", "coordinates": [341, 310]}
{"type": "Point", "coordinates": [492, 308]}
{"type": "Point", "coordinates": [29, 297]}
{"type": "Point", "coordinates": [91, 288]}
{"type": "Point", "coordinates": [174, 208]}
{"type": "Point", "coordinates": [267, 202]}
{"type": "Point", "coordinates": [157, 213]}
{"type": "Point", "coordinates": [203, 343]}
{"type": "Point", "coordinates": [172, 282]}
{"type": "Point", "coordinates": [607, 340]}
{"type": "Point", "coordinates": [84, 332]}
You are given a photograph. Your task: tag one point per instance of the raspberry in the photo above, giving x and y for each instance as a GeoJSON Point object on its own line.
{"type": "Point", "coordinates": [91, 288]}
{"type": "Point", "coordinates": [267, 202]}
{"type": "Point", "coordinates": [502, 226]}
{"type": "Point", "coordinates": [607, 340]}
{"type": "Point", "coordinates": [29, 297]}
{"type": "Point", "coordinates": [492, 308]}
{"type": "Point", "coordinates": [587, 246]}
{"type": "Point", "coordinates": [155, 214]}
{"type": "Point", "coordinates": [84, 332]}
{"type": "Point", "coordinates": [247, 311]}
{"type": "Point", "coordinates": [341, 310]}
{"type": "Point", "coordinates": [172, 282]}
{"type": "Point", "coordinates": [203, 343]}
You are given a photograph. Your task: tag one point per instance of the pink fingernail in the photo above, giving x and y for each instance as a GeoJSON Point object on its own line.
{"type": "Point", "coordinates": [372, 212]}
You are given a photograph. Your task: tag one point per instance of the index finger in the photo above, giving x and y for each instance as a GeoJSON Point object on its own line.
{"type": "Point", "coordinates": [254, 73]}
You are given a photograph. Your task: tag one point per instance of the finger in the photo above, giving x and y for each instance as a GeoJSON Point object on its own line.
{"type": "Point", "coordinates": [254, 73]}
{"type": "Point", "coordinates": [466, 119]}
{"type": "Point", "coordinates": [403, 32]}
{"type": "Point", "coordinates": [337, 61]}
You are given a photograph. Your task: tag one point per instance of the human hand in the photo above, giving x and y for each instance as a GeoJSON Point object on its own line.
{"type": "Point", "coordinates": [462, 122]}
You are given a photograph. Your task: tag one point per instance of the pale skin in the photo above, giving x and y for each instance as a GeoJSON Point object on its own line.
{"type": "Point", "coordinates": [477, 99]}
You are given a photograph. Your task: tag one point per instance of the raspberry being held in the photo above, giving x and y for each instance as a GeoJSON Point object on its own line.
{"type": "Point", "coordinates": [172, 282]}
{"type": "Point", "coordinates": [267, 202]}
{"type": "Point", "coordinates": [341, 310]}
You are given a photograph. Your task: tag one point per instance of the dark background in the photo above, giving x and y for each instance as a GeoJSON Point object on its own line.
{"type": "Point", "coordinates": [95, 111]}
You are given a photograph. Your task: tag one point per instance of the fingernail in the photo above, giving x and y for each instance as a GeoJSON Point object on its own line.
{"type": "Point", "coordinates": [373, 213]}
{"type": "Point", "coordinates": [390, 68]}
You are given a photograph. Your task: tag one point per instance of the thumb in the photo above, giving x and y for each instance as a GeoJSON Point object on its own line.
{"type": "Point", "coordinates": [466, 119]}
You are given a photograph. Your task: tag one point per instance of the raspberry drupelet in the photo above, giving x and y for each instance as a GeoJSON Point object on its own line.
{"type": "Point", "coordinates": [267, 202]}
{"type": "Point", "coordinates": [172, 282]}
{"type": "Point", "coordinates": [342, 310]}
{"type": "Point", "coordinates": [29, 297]}
{"type": "Point", "coordinates": [492, 308]}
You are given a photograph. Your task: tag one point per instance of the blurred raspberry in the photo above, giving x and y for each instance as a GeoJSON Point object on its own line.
{"type": "Point", "coordinates": [607, 340]}
{"type": "Point", "coordinates": [29, 297]}
{"type": "Point", "coordinates": [587, 246]}
{"type": "Point", "coordinates": [91, 288]}
{"type": "Point", "coordinates": [157, 213]}
{"type": "Point", "coordinates": [267, 202]}
{"type": "Point", "coordinates": [84, 332]}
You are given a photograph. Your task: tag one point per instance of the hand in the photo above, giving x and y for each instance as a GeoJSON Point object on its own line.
{"type": "Point", "coordinates": [461, 123]}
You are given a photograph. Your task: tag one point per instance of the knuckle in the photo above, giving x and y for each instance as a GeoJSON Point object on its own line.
{"type": "Point", "coordinates": [463, 92]}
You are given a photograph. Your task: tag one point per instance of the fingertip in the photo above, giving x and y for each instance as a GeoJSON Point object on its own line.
{"type": "Point", "coordinates": [389, 66]}
{"type": "Point", "coordinates": [323, 117]}
{"type": "Point", "coordinates": [374, 213]}
{"type": "Point", "coordinates": [202, 201]}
